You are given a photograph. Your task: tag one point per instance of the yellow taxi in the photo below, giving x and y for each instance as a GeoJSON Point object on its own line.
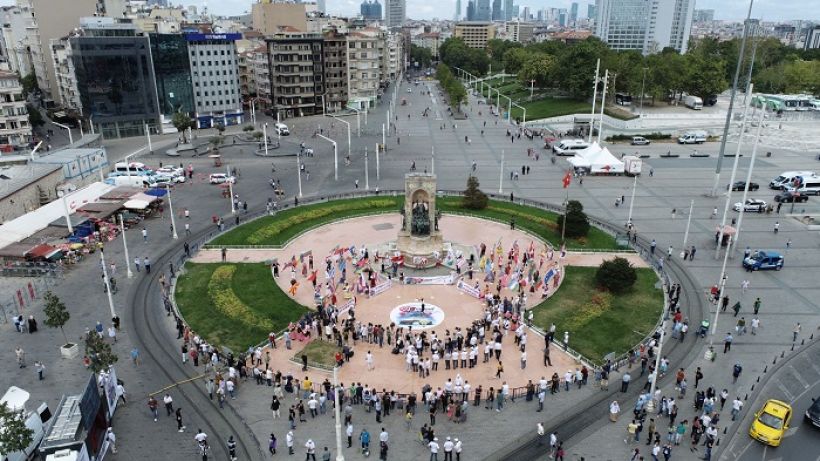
{"type": "Point", "coordinates": [771, 422]}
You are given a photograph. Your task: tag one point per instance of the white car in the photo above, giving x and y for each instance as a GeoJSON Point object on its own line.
{"type": "Point", "coordinates": [169, 178]}
{"type": "Point", "coordinates": [221, 178]}
{"type": "Point", "coordinates": [752, 204]}
{"type": "Point", "coordinates": [409, 90]}
{"type": "Point", "coordinates": [171, 171]}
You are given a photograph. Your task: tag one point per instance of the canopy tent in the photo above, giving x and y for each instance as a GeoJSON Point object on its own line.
{"type": "Point", "coordinates": [44, 252]}
{"type": "Point", "coordinates": [597, 160]}
{"type": "Point", "coordinates": [100, 210]}
{"type": "Point", "coordinates": [157, 192]}
{"type": "Point", "coordinates": [137, 204]}
{"type": "Point", "coordinates": [121, 193]}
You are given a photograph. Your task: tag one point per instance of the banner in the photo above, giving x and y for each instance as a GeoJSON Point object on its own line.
{"type": "Point", "coordinates": [437, 280]}
{"type": "Point", "coordinates": [347, 306]}
{"type": "Point", "coordinates": [470, 290]}
{"type": "Point", "coordinates": [381, 288]}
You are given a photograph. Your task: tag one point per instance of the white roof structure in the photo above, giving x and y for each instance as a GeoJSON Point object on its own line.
{"type": "Point", "coordinates": [597, 159]}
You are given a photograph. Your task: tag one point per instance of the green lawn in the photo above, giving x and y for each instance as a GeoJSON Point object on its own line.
{"type": "Point", "coordinates": [277, 230]}
{"type": "Point", "coordinates": [539, 222]}
{"type": "Point", "coordinates": [551, 107]}
{"type": "Point", "coordinates": [320, 353]}
{"type": "Point", "coordinates": [600, 323]}
{"type": "Point", "coordinates": [261, 305]}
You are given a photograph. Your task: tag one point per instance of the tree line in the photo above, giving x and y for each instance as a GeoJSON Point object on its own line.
{"type": "Point", "coordinates": [453, 86]}
{"type": "Point", "coordinates": [705, 70]}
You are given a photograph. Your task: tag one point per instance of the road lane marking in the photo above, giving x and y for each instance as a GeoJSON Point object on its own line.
{"type": "Point", "coordinates": [799, 378]}
{"type": "Point", "coordinates": [785, 390]}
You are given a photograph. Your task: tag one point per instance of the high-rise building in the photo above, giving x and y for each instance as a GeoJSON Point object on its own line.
{"type": "Point", "coordinates": [563, 17]}
{"type": "Point", "coordinates": [215, 75]}
{"type": "Point", "coordinates": [115, 77]}
{"type": "Point", "coordinates": [483, 10]}
{"type": "Point", "coordinates": [704, 15]}
{"type": "Point", "coordinates": [525, 13]}
{"type": "Point", "coordinates": [371, 10]}
{"type": "Point", "coordinates": [297, 73]}
{"type": "Point", "coordinates": [645, 25]}
{"type": "Point", "coordinates": [508, 10]}
{"type": "Point", "coordinates": [50, 20]}
{"type": "Point", "coordinates": [395, 13]}
{"type": "Point", "coordinates": [172, 71]}
{"type": "Point", "coordinates": [812, 38]}
{"type": "Point", "coordinates": [321, 6]}
{"type": "Point", "coordinates": [364, 66]}
{"type": "Point", "coordinates": [518, 31]}
{"type": "Point", "coordinates": [335, 54]}
{"type": "Point", "coordinates": [498, 11]}
{"type": "Point", "coordinates": [591, 14]}
{"type": "Point", "coordinates": [471, 10]}
{"type": "Point", "coordinates": [457, 15]}
{"type": "Point", "coordinates": [573, 12]}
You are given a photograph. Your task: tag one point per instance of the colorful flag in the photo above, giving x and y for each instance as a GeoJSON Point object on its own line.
{"type": "Point", "coordinates": [567, 179]}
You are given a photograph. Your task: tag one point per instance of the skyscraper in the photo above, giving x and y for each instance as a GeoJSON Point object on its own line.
{"type": "Point", "coordinates": [573, 12]}
{"type": "Point", "coordinates": [371, 10]}
{"type": "Point", "coordinates": [471, 10]}
{"type": "Point", "coordinates": [591, 12]}
{"type": "Point", "coordinates": [457, 16]}
{"type": "Point", "coordinates": [498, 12]}
{"type": "Point", "coordinates": [645, 25]}
{"type": "Point", "coordinates": [395, 13]}
{"type": "Point", "coordinates": [483, 10]}
{"type": "Point", "coordinates": [508, 10]}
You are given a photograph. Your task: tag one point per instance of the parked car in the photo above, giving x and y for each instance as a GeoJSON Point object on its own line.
{"type": "Point", "coordinates": [164, 182]}
{"type": "Point", "coordinates": [221, 178]}
{"type": "Point", "coordinates": [740, 185]}
{"type": "Point", "coordinates": [813, 413]}
{"type": "Point", "coordinates": [789, 197]}
{"type": "Point", "coordinates": [752, 204]}
{"type": "Point", "coordinates": [771, 422]}
{"type": "Point", "coordinates": [282, 129]}
{"type": "Point", "coordinates": [171, 171]}
{"type": "Point", "coordinates": [762, 260]}
{"type": "Point", "coordinates": [639, 141]}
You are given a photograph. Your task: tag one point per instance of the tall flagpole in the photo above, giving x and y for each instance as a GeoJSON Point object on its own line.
{"type": "Point", "coordinates": [748, 177]}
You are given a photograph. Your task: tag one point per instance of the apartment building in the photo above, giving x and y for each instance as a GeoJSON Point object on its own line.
{"type": "Point", "coordinates": [259, 71]}
{"type": "Point", "coordinates": [395, 13]}
{"type": "Point", "coordinates": [364, 66]}
{"type": "Point", "coordinates": [335, 70]}
{"type": "Point", "coordinates": [66, 79]}
{"type": "Point", "coordinates": [645, 25]}
{"type": "Point", "coordinates": [269, 17]}
{"type": "Point", "coordinates": [296, 73]}
{"type": "Point", "coordinates": [521, 32]}
{"type": "Point", "coordinates": [14, 127]}
{"type": "Point", "coordinates": [215, 76]}
{"type": "Point", "coordinates": [475, 34]}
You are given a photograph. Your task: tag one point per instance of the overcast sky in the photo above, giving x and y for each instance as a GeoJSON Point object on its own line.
{"type": "Point", "coordinates": [767, 10]}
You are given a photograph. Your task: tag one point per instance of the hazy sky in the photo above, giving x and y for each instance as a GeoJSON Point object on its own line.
{"type": "Point", "coordinates": [767, 10]}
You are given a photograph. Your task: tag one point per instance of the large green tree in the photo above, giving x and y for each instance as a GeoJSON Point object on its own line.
{"type": "Point", "coordinates": [577, 64]}
{"type": "Point", "coordinates": [99, 352]}
{"type": "Point", "coordinates": [14, 436]}
{"type": "Point", "coordinates": [182, 122]}
{"type": "Point", "coordinates": [540, 67]}
{"type": "Point", "coordinates": [421, 55]}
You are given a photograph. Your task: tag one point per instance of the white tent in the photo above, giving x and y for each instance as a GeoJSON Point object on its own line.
{"type": "Point", "coordinates": [597, 160]}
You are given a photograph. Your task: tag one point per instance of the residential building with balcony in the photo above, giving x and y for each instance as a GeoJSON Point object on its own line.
{"type": "Point", "coordinates": [364, 66]}
{"type": "Point", "coordinates": [296, 73]}
{"type": "Point", "coordinates": [335, 70]}
{"type": "Point", "coordinates": [15, 129]}
{"type": "Point", "coordinates": [69, 93]}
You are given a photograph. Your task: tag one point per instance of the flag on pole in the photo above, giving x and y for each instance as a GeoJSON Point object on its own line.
{"type": "Point", "coordinates": [567, 179]}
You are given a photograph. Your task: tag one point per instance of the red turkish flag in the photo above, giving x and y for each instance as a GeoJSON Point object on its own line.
{"type": "Point", "coordinates": [567, 179]}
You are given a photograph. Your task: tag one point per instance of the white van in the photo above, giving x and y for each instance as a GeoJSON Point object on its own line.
{"type": "Point", "coordinates": [282, 129]}
{"type": "Point", "coordinates": [569, 146]}
{"type": "Point", "coordinates": [16, 399]}
{"type": "Point", "coordinates": [132, 168]}
{"type": "Point", "coordinates": [693, 102]}
{"type": "Point", "coordinates": [808, 185]}
{"type": "Point", "coordinates": [786, 177]}
{"type": "Point", "coordinates": [132, 181]}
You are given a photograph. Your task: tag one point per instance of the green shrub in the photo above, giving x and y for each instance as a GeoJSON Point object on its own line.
{"type": "Point", "coordinates": [577, 222]}
{"type": "Point", "coordinates": [628, 137]}
{"type": "Point", "coordinates": [616, 275]}
{"type": "Point", "coordinates": [474, 199]}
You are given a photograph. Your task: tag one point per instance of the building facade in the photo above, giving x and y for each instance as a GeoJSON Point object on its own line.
{"type": "Point", "coordinates": [15, 130]}
{"type": "Point", "coordinates": [364, 66]}
{"type": "Point", "coordinates": [475, 34]}
{"type": "Point", "coordinates": [269, 16]}
{"type": "Point", "coordinates": [509, 9]}
{"type": "Point", "coordinates": [335, 70]}
{"type": "Point", "coordinates": [296, 73]}
{"type": "Point", "coordinates": [215, 76]}
{"type": "Point", "coordinates": [482, 11]}
{"type": "Point", "coordinates": [645, 25]}
{"type": "Point", "coordinates": [521, 32]}
{"type": "Point", "coordinates": [172, 69]}
{"type": "Point", "coordinates": [498, 11]}
{"type": "Point", "coordinates": [395, 13]}
{"type": "Point", "coordinates": [812, 38]}
{"type": "Point", "coordinates": [67, 90]}
{"type": "Point", "coordinates": [115, 77]}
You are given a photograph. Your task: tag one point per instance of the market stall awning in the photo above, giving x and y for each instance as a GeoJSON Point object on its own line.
{"type": "Point", "coordinates": [101, 210]}
{"type": "Point", "coordinates": [157, 192]}
{"type": "Point", "coordinates": [137, 204]}
{"type": "Point", "coordinates": [42, 251]}
{"type": "Point", "coordinates": [121, 193]}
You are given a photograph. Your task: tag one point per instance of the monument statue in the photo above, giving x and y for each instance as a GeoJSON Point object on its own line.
{"type": "Point", "coordinates": [420, 224]}
{"type": "Point", "coordinates": [420, 237]}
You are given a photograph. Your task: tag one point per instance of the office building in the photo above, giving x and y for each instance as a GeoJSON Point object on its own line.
{"type": "Point", "coordinates": [573, 13]}
{"type": "Point", "coordinates": [471, 10]}
{"type": "Point", "coordinates": [172, 71]}
{"type": "Point", "coordinates": [645, 25]}
{"type": "Point", "coordinates": [270, 17]}
{"type": "Point", "coordinates": [457, 15]}
{"type": "Point", "coordinates": [509, 9]}
{"type": "Point", "coordinates": [704, 16]}
{"type": "Point", "coordinates": [591, 12]}
{"type": "Point", "coordinates": [522, 32]}
{"type": "Point", "coordinates": [475, 34]}
{"type": "Point", "coordinates": [67, 91]}
{"type": "Point", "coordinates": [563, 17]}
{"type": "Point", "coordinates": [498, 11]}
{"type": "Point", "coordinates": [812, 38]}
{"type": "Point", "coordinates": [371, 10]}
{"type": "Point", "coordinates": [296, 73]}
{"type": "Point", "coordinates": [335, 71]}
{"type": "Point", "coordinates": [15, 130]}
{"type": "Point", "coordinates": [525, 13]}
{"type": "Point", "coordinates": [49, 20]}
{"type": "Point", "coordinates": [395, 13]}
{"type": "Point", "coordinates": [115, 77]}
{"type": "Point", "coordinates": [215, 78]}
{"type": "Point", "coordinates": [482, 11]}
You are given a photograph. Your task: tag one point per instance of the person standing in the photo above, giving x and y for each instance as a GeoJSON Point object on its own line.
{"type": "Point", "coordinates": [310, 450]}
{"type": "Point", "coordinates": [448, 449]}
{"type": "Point", "coordinates": [112, 440]}
{"type": "Point", "coordinates": [178, 415]}
{"type": "Point", "coordinates": [137, 263]}
{"type": "Point", "coordinates": [289, 442]}
{"type": "Point", "coordinates": [434, 447]}
{"type": "Point", "coordinates": [152, 405]}
{"type": "Point", "coordinates": [458, 448]}
{"type": "Point", "coordinates": [144, 234]}
{"type": "Point", "coordinates": [349, 433]}
{"type": "Point", "coordinates": [757, 305]}
{"type": "Point", "coordinates": [147, 263]}
{"type": "Point", "coordinates": [796, 331]}
{"type": "Point", "coordinates": [727, 342]}
{"type": "Point", "coordinates": [231, 444]}
{"type": "Point", "coordinates": [169, 404]}
{"type": "Point", "coordinates": [40, 369]}
{"type": "Point", "coordinates": [272, 444]}
{"type": "Point", "coordinates": [625, 381]}
{"type": "Point", "coordinates": [614, 411]}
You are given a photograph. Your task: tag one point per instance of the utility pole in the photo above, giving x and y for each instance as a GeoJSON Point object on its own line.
{"type": "Point", "coordinates": [688, 222]}
{"type": "Point", "coordinates": [501, 175]}
{"type": "Point", "coordinates": [720, 292]}
{"type": "Point", "coordinates": [594, 96]}
{"type": "Point", "coordinates": [107, 284]}
{"type": "Point", "coordinates": [732, 96]}
{"type": "Point", "coordinates": [338, 418]}
{"type": "Point", "coordinates": [603, 104]}
{"type": "Point", "coordinates": [632, 199]}
{"type": "Point", "coordinates": [265, 136]}
{"type": "Point", "coordinates": [643, 85]}
{"type": "Point", "coordinates": [125, 247]}
{"type": "Point", "coordinates": [148, 135]}
{"type": "Point", "coordinates": [171, 209]}
{"type": "Point", "coordinates": [749, 175]}
{"type": "Point", "coordinates": [366, 173]}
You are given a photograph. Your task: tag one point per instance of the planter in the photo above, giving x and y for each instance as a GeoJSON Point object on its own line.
{"type": "Point", "coordinates": [69, 351]}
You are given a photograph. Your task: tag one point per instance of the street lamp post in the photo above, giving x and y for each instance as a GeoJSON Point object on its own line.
{"type": "Point", "coordinates": [173, 221]}
{"type": "Point", "coordinates": [532, 88]}
{"type": "Point", "coordinates": [594, 96]}
{"type": "Point", "coordinates": [366, 173]}
{"type": "Point", "coordinates": [265, 136]}
{"type": "Point", "coordinates": [230, 189]}
{"type": "Point", "coordinates": [125, 247]}
{"type": "Point", "coordinates": [299, 172]}
{"type": "Point", "coordinates": [720, 292]}
{"type": "Point", "coordinates": [148, 135]}
{"type": "Point", "coordinates": [749, 177]}
{"type": "Point", "coordinates": [335, 156]}
{"type": "Point", "coordinates": [688, 222]}
{"type": "Point", "coordinates": [336, 390]}
{"type": "Point", "coordinates": [643, 85]}
{"type": "Point", "coordinates": [348, 131]}
{"type": "Point", "coordinates": [107, 284]}
{"type": "Point", "coordinates": [432, 160]}
{"type": "Point", "coordinates": [378, 175]}
{"type": "Point", "coordinates": [603, 104]}
{"type": "Point", "coordinates": [501, 175]}
{"type": "Point", "coordinates": [70, 137]}
{"type": "Point", "coordinates": [650, 406]}
{"type": "Point", "coordinates": [632, 199]}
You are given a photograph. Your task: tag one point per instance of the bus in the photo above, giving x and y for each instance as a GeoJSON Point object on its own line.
{"type": "Point", "coordinates": [622, 99]}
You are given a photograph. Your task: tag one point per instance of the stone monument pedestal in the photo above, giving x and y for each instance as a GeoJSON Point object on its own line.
{"type": "Point", "coordinates": [420, 252]}
{"type": "Point", "coordinates": [419, 239]}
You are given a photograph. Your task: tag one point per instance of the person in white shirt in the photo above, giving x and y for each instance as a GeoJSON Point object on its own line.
{"type": "Point", "coordinates": [112, 440]}
{"type": "Point", "coordinates": [289, 442]}
{"type": "Point", "coordinates": [201, 437]}
{"type": "Point", "coordinates": [737, 405]}
{"type": "Point", "coordinates": [448, 449]}
{"type": "Point", "coordinates": [755, 325]}
{"type": "Point", "coordinates": [458, 449]}
{"type": "Point", "coordinates": [384, 436]}
{"type": "Point", "coordinates": [433, 449]}
{"type": "Point", "coordinates": [349, 434]}
{"type": "Point", "coordinates": [523, 359]}
{"type": "Point", "coordinates": [369, 361]}
{"type": "Point", "coordinates": [310, 450]}
{"type": "Point", "coordinates": [466, 391]}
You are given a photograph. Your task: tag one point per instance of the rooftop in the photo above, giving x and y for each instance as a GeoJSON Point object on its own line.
{"type": "Point", "coordinates": [15, 177]}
